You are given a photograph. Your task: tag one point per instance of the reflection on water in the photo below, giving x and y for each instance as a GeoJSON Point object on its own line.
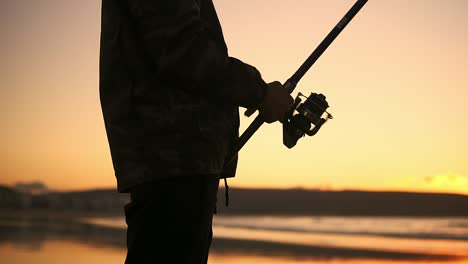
{"type": "Point", "coordinates": [435, 235]}
{"type": "Point", "coordinates": [59, 252]}
{"type": "Point", "coordinates": [404, 227]}
{"type": "Point", "coordinates": [45, 238]}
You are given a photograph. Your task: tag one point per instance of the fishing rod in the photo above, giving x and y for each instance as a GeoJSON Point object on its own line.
{"type": "Point", "coordinates": [312, 111]}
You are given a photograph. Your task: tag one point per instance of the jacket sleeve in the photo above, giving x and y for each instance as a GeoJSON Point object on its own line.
{"type": "Point", "coordinates": [191, 54]}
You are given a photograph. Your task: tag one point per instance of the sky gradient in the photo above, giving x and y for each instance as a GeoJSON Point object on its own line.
{"type": "Point", "coordinates": [396, 80]}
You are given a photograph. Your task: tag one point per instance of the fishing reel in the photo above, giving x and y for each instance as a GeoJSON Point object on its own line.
{"type": "Point", "coordinates": [302, 116]}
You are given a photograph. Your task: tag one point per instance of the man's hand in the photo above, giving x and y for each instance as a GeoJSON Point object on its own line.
{"type": "Point", "coordinates": [275, 105]}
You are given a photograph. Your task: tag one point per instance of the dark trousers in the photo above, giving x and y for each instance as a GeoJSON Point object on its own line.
{"type": "Point", "coordinates": [170, 221]}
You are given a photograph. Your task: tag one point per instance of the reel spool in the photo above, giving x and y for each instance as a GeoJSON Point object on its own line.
{"type": "Point", "coordinates": [302, 116]}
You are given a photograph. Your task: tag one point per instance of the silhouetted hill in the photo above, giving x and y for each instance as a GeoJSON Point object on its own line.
{"type": "Point", "coordinates": [10, 198]}
{"type": "Point", "coordinates": [314, 202]}
{"type": "Point", "coordinates": [90, 200]}
{"type": "Point", "coordinates": [269, 202]}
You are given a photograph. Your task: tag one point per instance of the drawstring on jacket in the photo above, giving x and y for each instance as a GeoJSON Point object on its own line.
{"type": "Point", "coordinates": [226, 192]}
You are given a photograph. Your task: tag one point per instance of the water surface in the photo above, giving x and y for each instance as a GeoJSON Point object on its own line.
{"type": "Point", "coordinates": [247, 239]}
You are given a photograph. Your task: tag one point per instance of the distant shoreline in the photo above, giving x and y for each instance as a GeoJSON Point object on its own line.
{"type": "Point", "coordinates": [342, 203]}
{"type": "Point", "coordinates": [297, 202]}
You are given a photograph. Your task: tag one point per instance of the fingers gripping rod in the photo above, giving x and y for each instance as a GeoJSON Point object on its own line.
{"type": "Point", "coordinates": [291, 83]}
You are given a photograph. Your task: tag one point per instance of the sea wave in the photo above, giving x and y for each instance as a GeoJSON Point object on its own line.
{"type": "Point", "coordinates": [417, 228]}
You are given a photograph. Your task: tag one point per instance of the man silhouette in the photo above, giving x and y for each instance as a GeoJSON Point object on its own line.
{"type": "Point", "coordinates": [170, 96]}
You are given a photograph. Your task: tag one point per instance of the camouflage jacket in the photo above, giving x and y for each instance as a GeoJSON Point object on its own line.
{"type": "Point", "coordinates": [169, 91]}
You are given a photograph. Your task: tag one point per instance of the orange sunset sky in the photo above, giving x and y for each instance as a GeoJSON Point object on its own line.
{"type": "Point", "coordinates": [396, 80]}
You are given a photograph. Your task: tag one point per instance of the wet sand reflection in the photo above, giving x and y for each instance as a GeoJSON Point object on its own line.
{"type": "Point", "coordinates": [37, 234]}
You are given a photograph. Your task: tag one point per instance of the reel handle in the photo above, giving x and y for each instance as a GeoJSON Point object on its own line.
{"type": "Point", "coordinates": [253, 127]}
{"type": "Point", "coordinates": [257, 123]}
{"type": "Point", "coordinates": [250, 111]}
